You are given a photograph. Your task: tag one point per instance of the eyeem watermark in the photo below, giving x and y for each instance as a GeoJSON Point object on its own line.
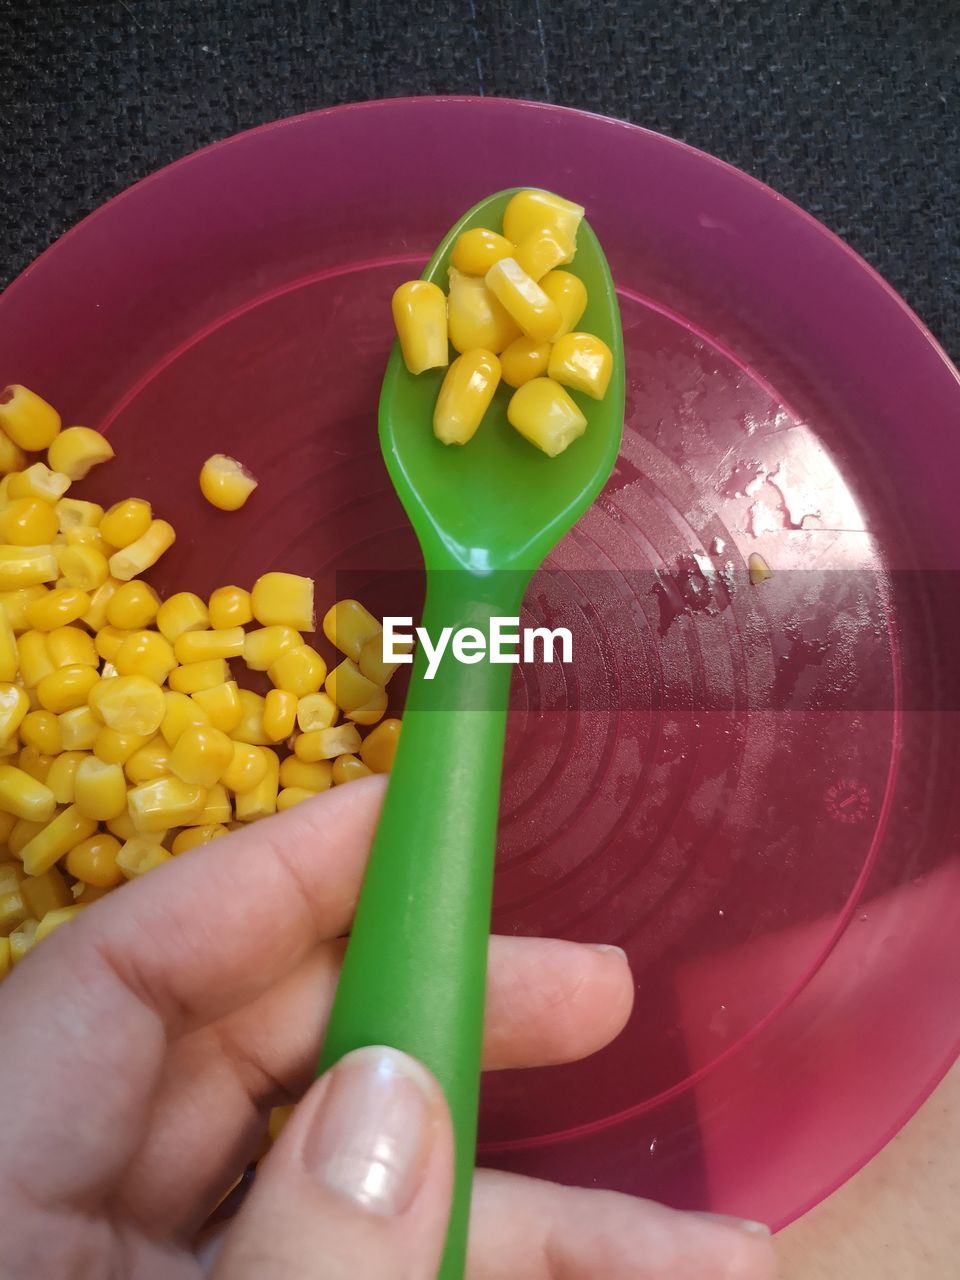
{"type": "Point", "coordinates": [504, 642]}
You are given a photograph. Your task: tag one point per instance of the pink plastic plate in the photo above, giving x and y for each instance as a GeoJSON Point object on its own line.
{"type": "Point", "coordinates": [751, 788]}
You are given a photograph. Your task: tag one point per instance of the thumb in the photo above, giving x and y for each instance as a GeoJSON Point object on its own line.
{"type": "Point", "coordinates": [358, 1183]}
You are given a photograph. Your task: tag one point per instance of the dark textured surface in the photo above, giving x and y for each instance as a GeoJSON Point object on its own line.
{"type": "Point", "coordinates": [849, 107]}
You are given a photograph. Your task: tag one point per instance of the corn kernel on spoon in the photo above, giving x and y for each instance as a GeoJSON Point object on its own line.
{"type": "Point", "coordinates": [486, 515]}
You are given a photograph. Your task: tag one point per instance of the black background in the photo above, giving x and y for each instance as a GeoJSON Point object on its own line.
{"type": "Point", "coordinates": [849, 108]}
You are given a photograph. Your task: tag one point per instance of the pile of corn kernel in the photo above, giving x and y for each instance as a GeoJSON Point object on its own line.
{"type": "Point", "coordinates": [511, 314]}
{"type": "Point", "coordinates": [125, 738]}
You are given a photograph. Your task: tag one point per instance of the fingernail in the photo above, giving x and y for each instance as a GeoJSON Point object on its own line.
{"type": "Point", "coordinates": [606, 946]}
{"type": "Point", "coordinates": [740, 1224]}
{"type": "Point", "coordinates": [372, 1134]}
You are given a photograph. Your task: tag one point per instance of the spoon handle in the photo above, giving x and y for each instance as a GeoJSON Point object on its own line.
{"type": "Point", "coordinates": [415, 969]}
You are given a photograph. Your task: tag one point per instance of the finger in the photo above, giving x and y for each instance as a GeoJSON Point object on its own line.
{"type": "Point", "coordinates": [547, 1002]}
{"type": "Point", "coordinates": [522, 1229]}
{"type": "Point", "coordinates": [196, 939]}
{"type": "Point", "coordinates": [358, 1183]}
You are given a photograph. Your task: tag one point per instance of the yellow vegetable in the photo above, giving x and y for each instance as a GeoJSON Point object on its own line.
{"type": "Point", "coordinates": [57, 608]}
{"type": "Point", "coordinates": [148, 762]}
{"type": "Point", "coordinates": [465, 396]}
{"type": "Point", "coordinates": [315, 711]}
{"type": "Point", "coordinates": [290, 796]}
{"type": "Point", "coordinates": [299, 671]}
{"type": "Point", "coordinates": [68, 687]}
{"type": "Point", "coordinates": [307, 776]}
{"type": "Point", "coordinates": [202, 646]}
{"type": "Point", "coordinates": [420, 316]}
{"type": "Point", "coordinates": [476, 250]}
{"type": "Point", "coordinates": [71, 646]}
{"type": "Point", "coordinates": [262, 647]}
{"type": "Point", "coordinates": [348, 687]}
{"type": "Point", "coordinates": [26, 566]}
{"type": "Point", "coordinates": [247, 769]}
{"type": "Point", "coordinates": [524, 359]}
{"type": "Point", "coordinates": [145, 653]}
{"type": "Point", "coordinates": [94, 861]}
{"type": "Point", "coordinates": [165, 802]}
{"type": "Point", "coordinates": [569, 294]}
{"type": "Point", "coordinates": [129, 704]}
{"type": "Point", "coordinates": [146, 551]}
{"type": "Point", "coordinates": [230, 607]}
{"type": "Point", "coordinates": [108, 640]}
{"type": "Point", "coordinates": [545, 415]}
{"type": "Point", "coordinates": [41, 729]}
{"type": "Point", "coordinates": [283, 599]}
{"type": "Point", "coordinates": [194, 677]}
{"type": "Point", "coordinates": [380, 746]}
{"type": "Point", "coordinates": [78, 449]}
{"type": "Point", "coordinates": [201, 755]}
{"type": "Point", "coordinates": [250, 729]}
{"type": "Point", "coordinates": [96, 615]}
{"type": "Point", "coordinates": [83, 567]}
{"type": "Point", "coordinates": [22, 939]}
{"type": "Point", "coordinates": [582, 362]}
{"type": "Point", "coordinates": [55, 840]}
{"type": "Point", "coordinates": [532, 309]}
{"type": "Point", "coordinates": [26, 419]}
{"type": "Point", "coordinates": [140, 854]}
{"type": "Point", "coordinates": [225, 482]}
{"type": "Point", "coordinates": [348, 767]}
{"type": "Point", "coordinates": [327, 744]}
{"type": "Point", "coordinates": [45, 892]}
{"type": "Point", "coordinates": [477, 318]}
{"type": "Point", "coordinates": [62, 774]}
{"type": "Point", "coordinates": [531, 211]}
{"type": "Point", "coordinates": [113, 747]}
{"type": "Point", "coordinates": [541, 251]}
{"type": "Point", "coordinates": [279, 714]}
{"type": "Point", "coordinates": [126, 521]}
{"type": "Point", "coordinates": [193, 837]}
{"type": "Point", "coordinates": [28, 522]}
{"type": "Point", "coordinates": [53, 920]}
{"type": "Point", "coordinates": [14, 705]}
{"type": "Point", "coordinates": [100, 789]}
{"type": "Point", "coordinates": [348, 626]}
{"type": "Point", "coordinates": [15, 605]}
{"type": "Point", "coordinates": [78, 728]}
{"type": "Point", "coordinates": [132, 606]}
{"type": "Point", "coordinates": [261, 801]}
{"type": "Point", "coordinates": [221, 702]}
{"type": "Point", "coordinates": [38, 481]}
{"type": "Point", "coordinates": [75, 513]}
{"type": "Point", "coordinates": [11, 457]}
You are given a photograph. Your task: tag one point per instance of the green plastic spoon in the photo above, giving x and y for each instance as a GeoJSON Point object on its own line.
{"type": "Point", "coordinates": [486, 515]}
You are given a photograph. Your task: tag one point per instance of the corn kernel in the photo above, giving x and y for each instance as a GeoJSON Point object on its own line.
{"type": "Point", "coordinates": [84, 894]}
{"type": "Point", "coordinates": [182, 612]}
{"type": "Point", "coordinates": [545, 415]}
{"type": "Point", "coordinates": [14, 705]}
{"type": "Point", "coordinates": [229, 607]}
{"type": "Point", "coordinates": [38, 481]}
{"type": "Point", "coordinates": [348, 688]}
{"type": "Point", "coordinates": [127, 521]}
{"type": "Point", "coordinates": [542, 251]}
{"type": "Point", "coordinates": [524, 359]}
{"type": "Point", "coordinates": [180, 712]}
{"type": "Point", "coordinates": [140, 854]}
{"type": "Point", "coordinates": [41, 729]}
{"type": "Point", "coordinates": [202, 646]}
{"type": "Point", "coordinates": [420, 316]}
{"type": "Point", "coordinates": [145, 552]}
{"type": "Point", "coordinates": [129, 704]}
{"type": "Point", "coordinates": [583, 362]}
{"type": "Point", "coordinates": [22, 939]}
{"type": "Point", "coordinates": [758, 569]}
{"type": "Point", "coordinates": [13, 908]}
{"type": "Point", "coordinates": [532, 309]}
{"type": "Point", "coordinates": [6, 964]}
{"type": "Point", "coordinates": [124, 829]}
{"type": "Point", "coordinates": [299, 671]}
{"type": "Point", "coordinates": [12, 458]}
{"type": "Point", "coordinates": [201, 755]}
{"type": "Point", "coordinates": [78, 449]}
{"type": "Point", "coordinates": [196, 677]}
{"type": "Point", "coordinates": [15, 605]}
{"type": "Point", "coordinates": [250, 729]}
{"type": "Point", "coordinates": [26, 566]}
{"type": "Point", "coordinates": [28, 522]}
{"type": "Point", "coordinates": [327, 744]}
{"type": "Point", "coordinates": [262, 647]}
{"type": "Point", "coordinates": [315, 776]}
{"type": "Point", "coordinates": [346, 768]}
{"type": "Point", "coordinates": [112, 747]}
{"type": "Point", "coordinates": [26, 419]}
{"type": "Point", "coordinates": [315, 711]}
{"type": "Point", "coordinates": [284, 600]}
{"type": "Point", "coordinates": [11, 872]}
{"type": "Point", "coordinates": [145, 653]}
{"type": "Point", "coordinates": [94, 861]}
{"type": "Point", "coordinates": [21, 835]}
{"type": "Point", "coordinates": [532, 210]}
{"type": "Point", "coordinates": [9, 658]}
{"type": "Point", "coordinates": [226, 483]}
{"type": "Point", "coordinates": [260, 801]}
{"type": "Point", "coordinates": [370, 712]}
{"type": "Point", "coordinates": [247, 769]}
{"type": "Point", "coordinates": [108, 641]}
{"type": "Point", "coordinates": [70, 647]}
{"type": "Point", "coordinates": [476, 250]}
{"type": "Point", "coordinates": [62, 774]}
{"type": "Point", "coordinates": [465, 396]}
{"type": "Point", "coordinates": [218, 808]}
{"type": "Point", "coordinates": [45, 892]}
{"type": "Point", "coordinates": [74, 513]}
{"type": "Point", "coordinates": [290, 796]}
{"type": "Point", "coordinates": [54, 919]}
{"type": "Point", "coordinates": [84, 537]}
{"type": "Point", "coordinates": [78, 728]}
{"type": "Point", "coordinates": [221, 702]}
{"type": "Point", "coordinates": [37, 763]}
{"type": "Point", "coordinates": [83, 567]}
{"type": "Point", "coordinates": [380, 746]}
{"type": "Point", "coordinates": [57, 608]}
{"type": "Point", "coordinates": [569, 293]}
{"type": "Point", "coordinates": [100, 597]}
{"type": "Point", "coordinates": [348, 626]}
{"type": "Point", "coordinates": [166, 802]}
{"type": "Point", "coordinates": [279, 714]}
{"type": "Point", "coordinates": [100, 789]}
{"type": "Point", "coordinates": [477, 318]}
{"type": "Point", "coordinates": [148, 762]}
{"type": "Point", "coordinates": [68, 687]}
{"type": "Point", "coordinates": [193, 837]}
{"type": "Point", "coordinates": [133, 606]}
{"type": "Point", "coordinates": [55, 840]}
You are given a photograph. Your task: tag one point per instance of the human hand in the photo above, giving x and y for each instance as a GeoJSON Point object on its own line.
{"type": "Point", "coordinates": [142, 1046]}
